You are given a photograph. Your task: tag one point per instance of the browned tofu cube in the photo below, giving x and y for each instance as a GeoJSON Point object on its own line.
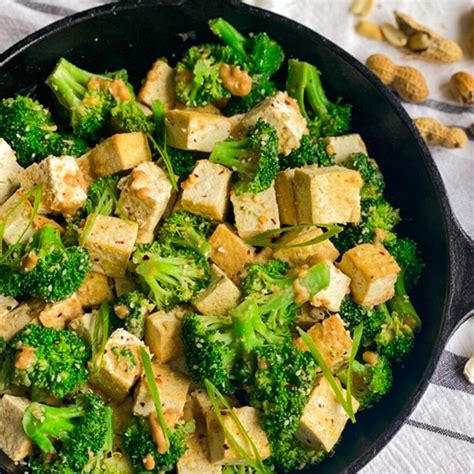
{"type": "Point", "coordinates": [163, 334]}
{"type": "Point", "coordinates": [110, 243]}
{"type": "Point", "coordinates": [121, 365]}
{"type": "Point", "coordinates": [344, 146]}
{"type": "Point", "coordinates": [220, 449]}
{"type": "Point", "coordinates": [220, 296]}
{"type": "Point", "coordinates": [206, 191]}
{"type": "Point", "coordinates": [229, 252]}
{"type": "Point", "coordinates": [119, 152]}
{"type": "Point", "coordinates": [57, 315]}
{"type": "Point", "coordinates": [332, 339]}
{"type": "Point", "coordinates": [159, 85]}
{"type": "Point", "coordinates": [284, 114]}
{"type": "Point", "coordinates": [331, 297]}
{"type": "Point", "coordinates": [328, 195]}
{"type": "Point", "coordinates": [373, 272]}
{"type": "Point", "coordinates": [94, 290]}
{"type": "Point", "coordinates": [255, 213]}
{"type": "Point", "coordinates": [13, 440]}
{"type": "Point", "coordinates": [323, 418]}
{"type": "Point", "coordinates": [285, 195]}
{"type": "Point", "coordinates": [189, 130]}
{"type": "Point", "coordinates": [173, 389]}
{"type": "Point", "coordinates": [298, 256]}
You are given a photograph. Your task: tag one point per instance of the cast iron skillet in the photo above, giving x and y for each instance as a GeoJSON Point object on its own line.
{"type": "Point", "coordinates": [133, 34]}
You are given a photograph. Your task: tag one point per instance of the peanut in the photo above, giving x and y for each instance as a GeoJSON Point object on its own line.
{"type": "Point", "coordinates": [462, 87]}
{"type": "Point", "coordinates": [369, 30]}
{"type": "Point", "coordinates": [393, 35]}
{"type": "Point", "coordinates": [438, 50]}
{"type": "Point", "coordinates": [361, 7]}
{"type": "Point", "coordinates": [237, 81]}
{"type": "Point", "coordinates": [437, 134]}
{"type": "Point", "coordinates": [407, 81]}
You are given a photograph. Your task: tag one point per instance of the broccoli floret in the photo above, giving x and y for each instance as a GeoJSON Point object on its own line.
{"type": "Point", "coordinates": [29, 129]}
{"type": "Point", "coordinates": [129, 117]}
{"type": "Point", "coordinates": [354, 314]}
{"type": "Point", "coordinates": [55, 360]}
{"type": "Point", "coordinates": [396, 338]}
{"type": "Point", "coordinates": [170, 275]}
{"type": "Point", "coordinates": [182, 161]}
{"type": "Point", "coordinates": [311, 151]}
{"type": "Point", "coordinates": [198, 81]}
{"type": "Point", "coordinates": [81, 428]}
{"type": "Point", "coordinates": [262, 87]}
{"type": "Point", "coordinates": [221, 348]}
{"type": "Point", "coordinates": [259, 53]}
{"type": "Point", "coordinates": [263, 278]}
{"type": "Point", "coordinates": [406, 253]}
{"type": "Point", "coordinates": [11, 279]}
{"type": "Point", "coordinates": [187, 230]}
{"type": "Point", "coordinates": [370, 382]}
{"type": "Point", "coordinates": [56, 271]}
{"type": "Point", "coordinates": [324, 117]}
{"type": "Point", "coordinates": [45, 269]}
{"type": "Point", "coordinates": [139, 444]}
{"type": "Point", "coordinates": [374, 183]}
{"type": "Point", "coordinates": [86, 96]}
{"type": "Point", "coordinates": [280, 389]}
{"type": "Point", "coordinates": [254, 159]}
{"type": "Point", "coordinates": [102, 196]}
{"type": "Point", "coordinates": [375, 214]}
{"type": "Point", "coordinates": [131, 310]}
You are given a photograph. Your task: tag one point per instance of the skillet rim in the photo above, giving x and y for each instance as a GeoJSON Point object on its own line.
{"type": "Point", "coordinates": [448, 217]}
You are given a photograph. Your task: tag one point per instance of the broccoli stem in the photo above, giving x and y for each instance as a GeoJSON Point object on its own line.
{"type": "Point", "coordinates": [246, 320]}
{"type": "Point", "coordinates": [195, 241]}
{"type": "Point", "coordinates": [402, 305]}
{"type": "Point", "coordinates": [230, 36]}
{"type": "Point", "coordinates": [69, 83]}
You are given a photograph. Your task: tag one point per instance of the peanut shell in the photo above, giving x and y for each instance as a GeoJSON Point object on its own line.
{"type": "Point", "coordinates": [462, 87]}
{"type": "Point", "coordinates": [437, 134]}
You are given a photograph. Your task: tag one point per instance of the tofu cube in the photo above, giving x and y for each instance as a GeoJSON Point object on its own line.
{"type": "Point", "coordinates": [220, 449]}
{"type": "Point", "coordinates": [329, 195]}
{"type": "Point", "coordinates": [201, 404]}
{"type": "Point", "coordinates": [83, 326]}
{"type": "Point", "coordinates": [221, 295]}
{"type": "Point", "coordinates": [206, 191]}
{"type": "Point", "coordinates": [373, 272]}
{"type": "Point", "coordinates": [308, 315]}
{"type": "Point", "coordinates": [63, 185]}
{"type": "Point", "coordinates": [196, 459]}
{"type": "Point", "coordinates": [173, 389]}
{"type": "Point", "coordinates": [16, 212]}
{"type": "Point", "coordinates": [297, 256]}
{"type": "Point", "coordinates": [7, 304]}
{"type": "Point", "coordinates": [323, 418]}
{"type": "Point", "coordinates": [284, 114]}
{"type": "Point", "coordinates": [85, 166]}
{"type": "Point", "coordinates": [94, 290]}
{"type": "Point", "coordinates": [120, 152]}
{"type": "Point", "coordinates": [110, 243]}
{"type": "Point", "coordinates": [229, 252]}
{"type": "Point", "coordinates": [331, 297]}
{"type": "Point", "coordinates": [13, 321]}
{"type": "Point", "coordinates": [124, 285]}
{"type": "Point", "coordinates": [255, 213]}
{"type": "Point", "coordinates": [56, 315]}
{"type": "Point", "coordinates": [163, 334]}
{"type": "Point", "coordinates": [285, 194]}
{"type": "Point", "coordinates": [144, 197]}
{"type": "Point", "coordinates": [121, 365]}
{"type": "Point", "coordinates": [332, 339]}
{"type": "Point", "coordinates": [13, 440]}
{"type": "Point", "coordinates": [9, 171]}
{"type": "Point", "coordinates": [189, 130]}
{"type": "Point", "coordinates": [344, 146]}
{"type": "Point", "coordinates": [159, 85]}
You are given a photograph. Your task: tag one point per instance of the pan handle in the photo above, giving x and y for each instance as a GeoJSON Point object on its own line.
{"type": "Point", "coordinates": [461, 291]}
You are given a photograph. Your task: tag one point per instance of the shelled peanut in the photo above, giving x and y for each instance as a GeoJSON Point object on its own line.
{"type": "Point", "coordinates": [361, 7]}
{"type": "Point", "coordinates": [437, 134]}
{"type": "Point", "coordinates": [462, 87]}
{"type": "Point", "coordinates": [426, 44]}
{"type": "Point", "coordinates": [369, 29]}
{"type": "Point", "coordinates": [407, 81]}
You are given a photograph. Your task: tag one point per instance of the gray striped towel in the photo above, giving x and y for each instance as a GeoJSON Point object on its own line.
{"type": "Point", "coordinates": [439, 436]}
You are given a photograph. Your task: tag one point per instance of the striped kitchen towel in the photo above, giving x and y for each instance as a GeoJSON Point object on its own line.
{"type": "Point", "coordinates": [439, 436]}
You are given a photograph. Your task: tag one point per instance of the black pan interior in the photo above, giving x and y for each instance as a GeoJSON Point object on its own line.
{"type": "Point", "coordinates": [132, 38]}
